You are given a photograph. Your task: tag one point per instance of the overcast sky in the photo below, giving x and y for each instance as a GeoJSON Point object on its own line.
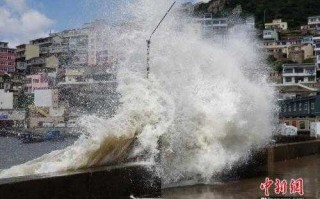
{"type": "Point", "coordinates": [23, 20]}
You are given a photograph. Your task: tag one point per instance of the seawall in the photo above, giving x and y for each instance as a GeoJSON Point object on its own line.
{"type": "Point", "coordinates": [103, 182]}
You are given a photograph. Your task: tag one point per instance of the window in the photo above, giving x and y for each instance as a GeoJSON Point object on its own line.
{"type": "Point", "coordinates": [310, 71]}
{"type": "Point", "coordinates": [289, 108]}
{"type": "Point", "coordinates": [306, 106]}
{"type": "Point", "coordinates": [298, 70]}
{"type": "Point", "coordinates": [285, 108]}
{"type": "Point", "coordinates": [302, 125]}
{"type": "Point", "coordinates": [288, 70]}
{"type": "Point", "coordinates": [295, 107]}
{"type": "Point", "coordinates": [300, 106]}
{"type": "Point", "coordinates": [312, 105]}
{"type": "Point", "coordinates": [311, 79]}
{"type": "Point", "coordinates": [299, 79]}
{"type": "Point", "coordinates": [288, 79]}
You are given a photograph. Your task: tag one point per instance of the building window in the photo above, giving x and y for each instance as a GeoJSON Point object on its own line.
{"type": "Point", "coordinates": [298, 70]}
{"type": "Point", "coordinates": [285, 108]}
{"type": "Point", "coordinates": [300, 106]}
{"type": "Point", "coordinates": [295, 107]}
{"type": "Point", "coordinates": [288, 79]}
{"type": "Point", "coordinates": [289, 108]}
{"type": "Point", "coordinates": [302, 125]}
{"type": "Point", "coordinates": [288, 70]}
{"type": "Point", "coordinates": [299, 79]}
{"type": "Point", "coordinates": [311, 79]}
{"type": "Point", "coordinates": [306, 106]}
{"type": "Point", "coordinates": [312, 105]}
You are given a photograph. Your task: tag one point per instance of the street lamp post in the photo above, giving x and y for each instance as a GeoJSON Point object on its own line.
{"type": "Point", "coordinates": [149, 40]}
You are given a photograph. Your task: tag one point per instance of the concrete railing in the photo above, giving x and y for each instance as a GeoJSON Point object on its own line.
{"type": "Point", "coordinates": [103, 182]}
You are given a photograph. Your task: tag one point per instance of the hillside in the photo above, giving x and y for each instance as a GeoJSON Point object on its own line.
{"type": "Point", "coordinates": [295, 12]}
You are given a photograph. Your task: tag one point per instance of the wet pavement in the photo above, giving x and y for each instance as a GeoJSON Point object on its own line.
{"type": "Point", "coordinates": [307, 168]}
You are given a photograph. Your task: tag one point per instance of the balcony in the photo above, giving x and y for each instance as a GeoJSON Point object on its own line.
{"type": "Point", "coordinates": [58, 49]}
{"type": "Point", "coordinates": [36, 61]}
{"type": "Point", "coordinates": [21, 65]}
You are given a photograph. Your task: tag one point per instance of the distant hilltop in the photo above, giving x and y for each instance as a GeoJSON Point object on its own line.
{"type": "Point", "coordinates": [295, 12]}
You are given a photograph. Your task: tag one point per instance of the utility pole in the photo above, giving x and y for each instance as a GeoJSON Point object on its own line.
{"type": "Point", "coordinates": [149, 40]}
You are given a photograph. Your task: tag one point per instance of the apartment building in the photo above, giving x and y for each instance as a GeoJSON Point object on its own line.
{"type": "Point", "coordinates": [299, 73]}
{"type": "Point", "coordinates": [7, 58]}
{"type": "Point", "coordinates": [35, 82]}
{"type": "Point", "coordinates": [316, 44]}
{"type": "Point", "coordinates": [75, 47]}
{"type": "Point", "coordinates": [314, 22]}
{"type": "Point", "coordinates": [211, 26]}
{"type": "Point", "coordinates": [24, 53]}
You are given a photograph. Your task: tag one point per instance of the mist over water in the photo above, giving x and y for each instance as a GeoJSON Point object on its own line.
{"type": "Point", "coordinates": [207, 102]}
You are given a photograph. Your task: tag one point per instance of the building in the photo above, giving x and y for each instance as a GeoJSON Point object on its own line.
{"type": "Point", "coordinates": [277, 24]}
{"type": "Point", "coordinates": [300, 112]}
{"type": "Point", "coordinates": [10, 117]}
{"type": "Point", "coordinates": [307, 40]}
{"type": "Point", "coordinates": [5, 82]}
{"type": "Point", "coordinates": [75, 46]}
{"type": "Point", "coordinates": [24, 53]}
{"type": "Point", "coordinates": [7, 58]}
{"type": "Point", "coordinates": [187, 8]}
{"type": "Point", "coordinates": [298, 53]}
{"type": "Point", "coordinates": [314, 22]}
{"type": "Point", "coordinates": [46, 98]}
{"type": "Point", "coordinates": [211, 25]}
{"type": "Point", "coordinates": [98, 44]}
{"type": "Point", "coordinates": [6, 99]}
{"type": "Point", "coordinates": [270, 34]}
{"type": "Point", "coordinates": [316, 44]}
{"type": "Point", "coordinates": [46, 111]}
{"type": "Point", "coordinates": [35, 82]}
{"type": "Point", "coordinates": [42, 64]}
{"type": "Point", "coordinates": [299, 74]}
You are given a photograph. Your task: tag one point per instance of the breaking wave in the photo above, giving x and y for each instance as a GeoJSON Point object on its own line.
{"type": "Point", "coordinates": [207, 102]}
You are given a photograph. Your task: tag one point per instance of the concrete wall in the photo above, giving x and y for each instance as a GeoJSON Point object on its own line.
{"type": "Point", "coordinates": [289, 151]}
{"type": "Point", "coordinates": [104, 183]}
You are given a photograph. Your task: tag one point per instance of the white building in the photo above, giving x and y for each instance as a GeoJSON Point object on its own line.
{"type": "Point", "coordinates": [299, 73]}
{"type": "Point", "coordinates": [271, 35]}
{"type": "Point", "coordinates": [6, 100]}
{"type": "Point", "coordinates": [46, 98]}
{"type": "Point", "coordinates": [316, 44]}
{"type": "Point", "coordinates": [314, 22]}
{"type": "Point", "coordinates": [276, 24]}
{"type": "Point", "coordinates": [211, 25]}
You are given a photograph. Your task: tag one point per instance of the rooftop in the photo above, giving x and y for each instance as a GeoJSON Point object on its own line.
{"type": "Point", "coordinates": [311, 17]}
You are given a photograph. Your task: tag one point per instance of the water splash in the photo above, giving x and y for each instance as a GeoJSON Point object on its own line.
{"type": "Point", "coordinates": [207, 102]}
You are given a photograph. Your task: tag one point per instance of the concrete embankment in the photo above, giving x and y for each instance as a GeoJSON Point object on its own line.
{"type": "Point", "coordinates": [103, 182]}
{"type": "Point", "coordinates": [136, 180]}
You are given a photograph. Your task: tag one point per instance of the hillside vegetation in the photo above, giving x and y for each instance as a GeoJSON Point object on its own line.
{"type": "Point", "coordinates": [295, 12]}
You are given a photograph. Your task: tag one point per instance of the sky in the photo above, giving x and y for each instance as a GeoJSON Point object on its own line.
{"type": "Point", "coordinates": [23, 20]}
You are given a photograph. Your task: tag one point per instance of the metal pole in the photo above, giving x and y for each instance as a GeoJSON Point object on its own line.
{"type": "Point", "coordinates": [149, 40]}
{"type": "Point", "coordinates": [148, 58]}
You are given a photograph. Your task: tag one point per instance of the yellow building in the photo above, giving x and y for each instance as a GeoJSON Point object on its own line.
{"type": "Point", "coordinates": [277, 24]}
